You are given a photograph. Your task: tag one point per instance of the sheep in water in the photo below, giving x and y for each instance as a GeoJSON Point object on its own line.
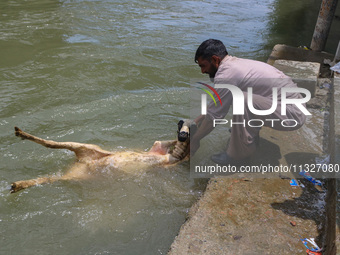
{"type": "Point", "coordinates": [91, 157]}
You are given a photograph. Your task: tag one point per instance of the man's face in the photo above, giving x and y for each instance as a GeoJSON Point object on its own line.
{"type": "Point", "coordinates": [207, 66]}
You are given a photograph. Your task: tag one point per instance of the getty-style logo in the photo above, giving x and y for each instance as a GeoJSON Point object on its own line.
{"type": "Point", "coordinates": [204, 97]}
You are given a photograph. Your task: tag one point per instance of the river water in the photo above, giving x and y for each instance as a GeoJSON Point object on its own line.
{"type": "Point", "coordinates": [116, 74]}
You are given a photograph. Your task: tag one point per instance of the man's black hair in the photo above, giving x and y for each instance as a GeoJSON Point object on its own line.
{"type": "Point", "coordinates": [209, 48]}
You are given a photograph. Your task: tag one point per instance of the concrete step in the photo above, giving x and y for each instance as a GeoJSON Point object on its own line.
{"type": "Point", "coordinates": [304, 74]}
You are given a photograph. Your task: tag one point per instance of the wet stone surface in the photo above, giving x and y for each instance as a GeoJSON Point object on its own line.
{"type": "Point", "coordinates": [240, 216]}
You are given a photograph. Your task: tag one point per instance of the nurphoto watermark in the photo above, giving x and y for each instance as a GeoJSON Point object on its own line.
{"type": "Point", "coordinates": [231, 108]}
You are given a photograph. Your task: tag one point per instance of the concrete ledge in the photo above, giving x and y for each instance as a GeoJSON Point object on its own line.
{"type": "Point", "coordinates": [281, 51]}
{"type": "Point", "coordinates": [304, 74]}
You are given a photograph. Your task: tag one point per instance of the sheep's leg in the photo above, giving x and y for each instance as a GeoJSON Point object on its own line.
{"type": "Point", "coordinates": [77, 172]}
{"type": "Point", "coordinates": [81, 150]}
{"type": "Point", "coordinates": [19, 185]}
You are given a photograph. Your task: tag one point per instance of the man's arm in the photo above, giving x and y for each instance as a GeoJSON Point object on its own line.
{"type": "Point", "coordinates": [205, 126]}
